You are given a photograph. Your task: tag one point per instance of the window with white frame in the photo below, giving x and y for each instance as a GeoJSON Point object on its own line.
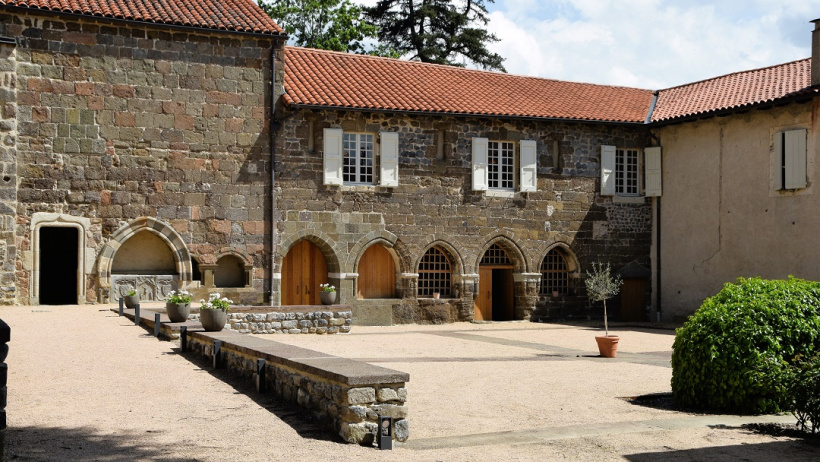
{"type": "Point", "coordinates": [626, 172]}
{"type": "Point", "coordinates": [357, 167]}
{"type": "Point", "coordinates": [504, 165]}
{"type": "Point", "coordinates": [501, 165]}
{"type": "Point", "coordinates": [790, 152]}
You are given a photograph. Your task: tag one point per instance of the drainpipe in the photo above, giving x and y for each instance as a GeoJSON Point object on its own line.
{"type": "Point", "coordinates": [273, 223]}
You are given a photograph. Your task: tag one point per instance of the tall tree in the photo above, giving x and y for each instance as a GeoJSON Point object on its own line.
{"type": "Point", "coordinates": [327, 24]}
{"type": "Point", "coordinates": [437, 31]}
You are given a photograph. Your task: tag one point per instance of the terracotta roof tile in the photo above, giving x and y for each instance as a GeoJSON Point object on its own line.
{"type": "Point", "coordinates": [733, 91]}
{"type": "Point", "coordinates": [332, 79]}
{"type": "Point", "coordinates": [232, 15]}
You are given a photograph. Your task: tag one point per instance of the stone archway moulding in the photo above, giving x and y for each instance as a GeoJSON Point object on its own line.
{"type": "Point", "coordinates": [182, 257]}
{"type": "Point", "coordinates": [84, 257]}
{"type": "Point", "coordinates": [507, 242]}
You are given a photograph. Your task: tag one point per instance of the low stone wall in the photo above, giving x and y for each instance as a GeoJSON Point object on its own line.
{"type": "Point", "coordinates": [276, 322]}
{"type": "Point", "coordinates": [348, 395]}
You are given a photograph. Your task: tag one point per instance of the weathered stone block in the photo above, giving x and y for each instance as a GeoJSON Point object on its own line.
{"type": "Point", "coordinates": [363, 395]}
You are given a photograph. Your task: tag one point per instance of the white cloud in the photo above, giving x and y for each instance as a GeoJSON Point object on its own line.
{"type": "Point", "coordinates": [648, 43]}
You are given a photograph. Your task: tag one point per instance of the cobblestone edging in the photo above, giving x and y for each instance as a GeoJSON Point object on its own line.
{"type": "Point", "coordinates": [347, 395]}
{"type": "Point", "coordinates": [277, 322]}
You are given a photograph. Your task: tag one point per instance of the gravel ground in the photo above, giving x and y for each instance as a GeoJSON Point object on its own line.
{"type": "Point", "coordinates": [85, 384]}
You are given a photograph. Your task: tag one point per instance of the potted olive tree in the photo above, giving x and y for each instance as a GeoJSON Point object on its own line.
{"type": "Point", "coordinates": [213, 314]}
{"type": "Point", "coordinates": [601, 285]}
{"type": "Point", "coordinates": [178, 306]}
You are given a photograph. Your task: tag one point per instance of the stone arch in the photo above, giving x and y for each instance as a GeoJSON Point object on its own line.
{"type": "Point", "coordinates": [506, 241]}
{"type": "Point", "coordinates": [385, 238]}
{"type": "Point", "coordinates": [325, 243]}
{"type": "Point", "coordinates": [179, 250]}
{"type": "Point", "coordinates": [246, 270]}
{"type": "Point", "coordinates": [458, 261]}
{"type": "Point", "coordinates": [571, 260]}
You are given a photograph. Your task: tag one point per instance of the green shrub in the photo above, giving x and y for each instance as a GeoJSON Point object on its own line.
{"type": "Point", "coordinates": [718, 355]}
{"type": "Point", "coordinates": [800, 381]}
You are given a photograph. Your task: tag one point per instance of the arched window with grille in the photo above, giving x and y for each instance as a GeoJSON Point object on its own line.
{"type": "Point", "coordinates": [435, 273]}
{"type": "Point", "coordinates": [554, 273]}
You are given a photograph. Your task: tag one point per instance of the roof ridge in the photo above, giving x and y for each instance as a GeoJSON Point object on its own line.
{"type": "Point", "coordinates": [748, 71]}
{"type": "Point", "coordinates": [407, 62]}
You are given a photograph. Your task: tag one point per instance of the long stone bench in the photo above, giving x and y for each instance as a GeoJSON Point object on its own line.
{"type": "Point", "coordinates": [348, 395]}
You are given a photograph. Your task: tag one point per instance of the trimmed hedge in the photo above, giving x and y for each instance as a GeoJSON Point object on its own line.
{"type": "Point", "coordinates": [718, 355]}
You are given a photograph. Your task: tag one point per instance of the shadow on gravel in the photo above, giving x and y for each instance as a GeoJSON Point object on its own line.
{"type": "Point", "coordinates": [81, 444]}
{"type": "Point", "coordinates": [776, 450]}
{"type": "Point", "coordinates": [301, 420]}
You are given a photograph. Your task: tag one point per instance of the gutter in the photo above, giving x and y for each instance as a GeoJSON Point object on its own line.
{"type": "Point", "coordinates": [652, 107]}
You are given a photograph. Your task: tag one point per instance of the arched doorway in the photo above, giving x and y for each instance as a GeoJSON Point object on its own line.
{"type": "Point", "coordinates": [495, 300]}
{"type": "Point", "coordinates": [58, 265]}
{"type": "Point", "coordinates": [304, 268]}
{"type": "Point", "coordinates": [377, 274]}
{"type": "Point", "coordinates": [144, 263]}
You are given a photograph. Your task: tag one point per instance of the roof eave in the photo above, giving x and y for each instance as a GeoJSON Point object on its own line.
{"type": "Point", "coordinates": [297, 106]}
{"type": "Point", "coordinates": [180, 27]}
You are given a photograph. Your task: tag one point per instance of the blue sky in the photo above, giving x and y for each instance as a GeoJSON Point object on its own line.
{"type": "Point", "coordinates": [649, 44]}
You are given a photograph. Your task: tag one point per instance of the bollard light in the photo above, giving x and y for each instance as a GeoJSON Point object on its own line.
{"type": "Point", "coordinates": [183, 339]}
{"type": "Point", "coordinates": [217, 352]}
{"type": "Point", "coordinates": [385, 436]}
{"type": "Point", "coordinates": [260, 375]}
{"type": "Point", "coordinates": [157, 325]}
{"type": "Point", "coordinates": [122, 302]}
{"type": "Point", "coordinates": [137, 314]}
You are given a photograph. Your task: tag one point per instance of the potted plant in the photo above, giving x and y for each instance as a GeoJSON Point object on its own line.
{"type": "Point", "coordinates": [601, 285]}
{"type": "Point", "coordinates": [327, 293]}
{"type": "Point", "coordinates": [131, 299]}
{"type": "Point", "coordinates": [178, 306]}
{"type": "Point", "coordinates": [213, 314]}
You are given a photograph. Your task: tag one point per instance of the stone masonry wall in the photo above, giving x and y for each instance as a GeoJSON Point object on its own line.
{"type": "Point", "coordinates": [435, 204]}
{"type": "Point", "coordinates": [8, 173]}
{"type": "Point", "coordinates": [117, 122]}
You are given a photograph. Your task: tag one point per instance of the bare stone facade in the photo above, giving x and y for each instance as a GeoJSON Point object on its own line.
{"type": "Point", "coordinates": [434, 205]}
{"type": "Point", "coordinates": [114, 128]}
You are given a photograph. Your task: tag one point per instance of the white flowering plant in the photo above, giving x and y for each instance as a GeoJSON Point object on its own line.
{"type": "Point", "coordinates": [216, 302]}
{"type": "Point", "coordinates": [182, 297]}
{"type": "Point", "coordinates": [327, 287]}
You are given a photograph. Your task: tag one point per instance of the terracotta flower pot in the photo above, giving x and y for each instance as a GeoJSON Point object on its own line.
{"type": "Point", "coordinates": [131, 300]}
{"type": "Point", "coordinates": [213, 320]}
{"type": "Point", "coordinates": [178, 312]}
{"type": "Point", "coordinates": [608, 345]}
{"type": "Point", "coordinates": [327, 297]}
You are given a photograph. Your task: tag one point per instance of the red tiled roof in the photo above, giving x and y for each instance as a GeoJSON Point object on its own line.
{"type": "Point", "coordinates": [343, 80]}
{"type": "Point", "coordinates": [733, 91]}
{"type": "Point", "coordinates": [232, 15]}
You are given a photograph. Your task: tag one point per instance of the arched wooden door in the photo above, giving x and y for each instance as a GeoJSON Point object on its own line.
{"type": "Point", "coordinates": [303, 269]}
{"type": "Point", "coordinates": [495, 299]}
{"type": "Point", "coordinates": [377, 274]}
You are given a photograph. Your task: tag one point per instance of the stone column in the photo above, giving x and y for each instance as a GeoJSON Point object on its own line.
{"type": "Point", "coordinates": [469, 288]}
{"type": "Point", "coordinates": [8, 172]}
{"type": "Point", "coordinates": [526, 294]}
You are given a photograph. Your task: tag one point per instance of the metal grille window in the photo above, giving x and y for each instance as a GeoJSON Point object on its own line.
{"type": "Point", "coordinates": [626, 172]}
{"type": "Point", "coordinates": [495, 255]}
{"type": "Point", "coordinates": [554, 273]}
{"type": "Point", "coordinates": [358, 158]}
{"type": "Point", "coordinates": [501, 165]}
{"type": "Point", "coordinates": [435, 273]}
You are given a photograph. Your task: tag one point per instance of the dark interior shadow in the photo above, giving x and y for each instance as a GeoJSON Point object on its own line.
{"type": "Point", "coordinates": [81, 444]}
{"type": "Point", "coordinates": [796, 450]}
{"type": "Point", "coordinates": [304, 422]}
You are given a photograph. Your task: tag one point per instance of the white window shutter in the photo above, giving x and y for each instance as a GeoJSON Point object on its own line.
{"type": "Point", "coordinates": [480, 172]}
{"type": "Point", "coordinates": [607, 170]}
{"type": "Point", "coordinates": [795, 159]}
{"type": "Point", "coordinates": [389, 174]}
{"type": "Point", "coordinates": [333, 156]}
{"type": "Point", "coordinates": [652, 166]}
{"type": "Point", "coordinates": [528, 177]}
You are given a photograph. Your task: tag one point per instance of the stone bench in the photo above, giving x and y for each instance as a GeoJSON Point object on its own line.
{"type": "Point", "coordinates": [347, 395]}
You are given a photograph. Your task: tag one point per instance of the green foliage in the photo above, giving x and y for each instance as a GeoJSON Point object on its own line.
{"type": "Point", "coordinates": [131, 293]}
{"type": "Point", "coordinates": [436, 31]}
{"type": "Point", "coordinates": [326, 24]}
{"type": "Point", "coordinates": [181, 297]}
{"type": "Point", "coordinates": [601, 285]}
{"type": "Point", "coordinates": [725, 358]}
{"type": "Point", "coordinates": [802, 386]}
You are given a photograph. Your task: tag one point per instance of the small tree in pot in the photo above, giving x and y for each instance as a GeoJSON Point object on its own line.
{"type": "Point", "coordinates": [601, 285]}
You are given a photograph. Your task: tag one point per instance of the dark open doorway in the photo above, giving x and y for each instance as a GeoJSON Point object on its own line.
{"type": "Point", "coordinates": [58, 265]}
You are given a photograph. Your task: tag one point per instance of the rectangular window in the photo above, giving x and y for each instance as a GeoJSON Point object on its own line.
{"type": "Point", "coordinates": [626, 172]}
{"type": "Point", "coordinates": [501, 165]}
{"type": "Point", "coordinates": [357, 167]}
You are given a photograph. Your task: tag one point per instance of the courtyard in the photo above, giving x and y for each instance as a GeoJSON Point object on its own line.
{"type": "Point", "coordinates": [86, 384]}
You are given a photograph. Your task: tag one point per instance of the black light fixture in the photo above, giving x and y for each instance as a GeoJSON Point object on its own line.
{"type": "Point", "coordinates": [385, 433]}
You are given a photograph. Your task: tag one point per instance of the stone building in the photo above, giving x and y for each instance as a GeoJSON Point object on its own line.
{"type": "Point", "coordinates": [430, 193]}
{"type": "Point", "coordinates": [136, 149]}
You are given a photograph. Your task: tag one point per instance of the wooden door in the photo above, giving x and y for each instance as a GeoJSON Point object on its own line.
{"type": "Point", "coordinates": [483, 308]}
{"type": "Point", "coordinates": [377, 274]}
{"type": "Point", "coordinates": [633, 300]}
{"type": "Point", "coordinates": [303, 269]}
